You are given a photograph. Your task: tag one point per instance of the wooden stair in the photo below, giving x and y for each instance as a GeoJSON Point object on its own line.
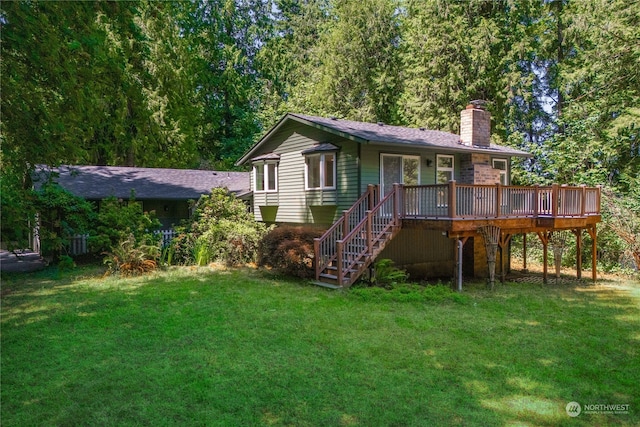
{"type": "Point", "coordinates": [351, 244]}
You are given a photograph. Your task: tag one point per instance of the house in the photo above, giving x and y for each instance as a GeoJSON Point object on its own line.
{"type": "Point", "coordinates": [165, 191]}
{"type": "Point", "coordinates": [420, 197]}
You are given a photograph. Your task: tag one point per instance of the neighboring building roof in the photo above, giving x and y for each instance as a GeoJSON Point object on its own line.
{"type": "Point", "coordinates": [380, 133]}
{"type": "Point", "coordinates": [319, 148]}
{"type": "Point", "coordinates": [100, 182]}
{"type": "Point", "coordinates": [268, 156]}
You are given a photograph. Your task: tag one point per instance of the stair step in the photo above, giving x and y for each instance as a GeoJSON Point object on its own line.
{"type": "Point", "coordinates": [326, 285]}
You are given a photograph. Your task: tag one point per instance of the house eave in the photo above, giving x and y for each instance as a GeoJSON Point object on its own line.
{"type": "Point", "coordinates": [494, 150]}
{"type": "Point", "coordinates": [291, 116]}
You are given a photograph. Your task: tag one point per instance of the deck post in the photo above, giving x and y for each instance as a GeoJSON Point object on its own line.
{"type": "Point", "coordinates": [452, 199]}
{"type": "Point", "coordinates": [544, 238]}
{"type": "Point", "coordinates": [583, 205]}
{"type": "Point", "coordinates": [554, 200]}
{"type": "Point", "coordinates": [524, 252]}
{"type": "Point", "coordinates": [345, 227]}
{"type": "Point", "coordinates": [339, 245]}
{"type": "Point", "coordinates": [459, 260]}
{"type": "Point", "coordinates": [578, 233]}
{"type": "Point", "coordinates": [371, 189]}
{"type": "Point", "coordinates": [317, 256]}
{"type": "Point", "coordinates": [498, 199]}
{"type": "Point", "coordinates": [397, 204]}
{"type": "Point", "coordinates": [594, 255]}
{"type": "Point", "coordinates": [505, 238]}
{"type": "Point", "coordinates": [536, 200]}
{"type": "Point", "coordinates": [369, 233]}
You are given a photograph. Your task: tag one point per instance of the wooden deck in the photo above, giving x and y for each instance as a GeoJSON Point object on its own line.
{"type": "Point", "coordinates": [354, 241]}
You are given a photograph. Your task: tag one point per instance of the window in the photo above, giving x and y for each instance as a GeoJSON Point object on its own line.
{"type": "Point", "coordinates": [320, 171]}
{"type": "Point", "coordinates": [399, 169]}
{"type": "Point", "coordinates": [501, 165]}
{"type": "Point", "coordinates": [444, 169]}
{"type": "Point", "coordinates": [265, 177]}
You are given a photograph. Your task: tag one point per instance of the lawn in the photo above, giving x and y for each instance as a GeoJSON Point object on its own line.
{"type": "Point", "coordinates": [203, 346]}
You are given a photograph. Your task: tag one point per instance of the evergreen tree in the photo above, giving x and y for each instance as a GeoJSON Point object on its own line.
{"type": "Point", "coordinates": [225, 38]}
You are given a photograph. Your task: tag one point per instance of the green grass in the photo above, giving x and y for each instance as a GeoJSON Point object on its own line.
{"type": "Point", "coordinates": [203, 347]}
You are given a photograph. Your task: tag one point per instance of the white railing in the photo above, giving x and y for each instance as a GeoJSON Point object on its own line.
{"type": "Point", "coordinates": [79, 244]}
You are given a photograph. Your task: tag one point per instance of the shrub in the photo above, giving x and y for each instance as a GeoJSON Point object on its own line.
{"type": "Point", "coordinates": [129, 258]}
{"type": "Point", "coordinates": [289, 250]}
{"type": "Point", "coordinates": [221, 229]}
{"type": "Point", "coordinates": [181, 248]}
{"type": "Point", "coordinates": [119, 220]}
{"type": "Point", "coordinates": [386, 274]}
{"type": "Point", "coordinates": [61, 216]}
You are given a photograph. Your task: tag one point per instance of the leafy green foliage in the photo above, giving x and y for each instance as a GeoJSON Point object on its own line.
{"type": "Point", "coordinates": [290, 250]}
{"type": "Point", "coordinates": [61, 216]}
{"type": "Point", "coordinates": [386, 274]}
{"type": "Point", "coordinates": [622, 217]}
{"type": "Point", "coordinates": [128, 257]}
{"type": "Point", "coordinates": [17, 209]}
{"type": "Point", "coordinates": [120, 221]}
{"type": "Point", "coordinates": [221, 229]}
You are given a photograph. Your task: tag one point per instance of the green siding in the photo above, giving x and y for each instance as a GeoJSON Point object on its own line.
{"type": "Point", "coordinates": [294, 203]}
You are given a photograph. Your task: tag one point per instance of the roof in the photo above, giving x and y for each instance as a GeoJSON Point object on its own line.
{"type": "Point", "coordinates": [380, 133]}
{"type": "Point", "coordinates": [100, 182]}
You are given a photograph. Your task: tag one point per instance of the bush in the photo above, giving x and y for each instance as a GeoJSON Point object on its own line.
{"type": "Point", "coordinates": [62, 215]}
{"type": "Point", "coordinates": [289, 250]}
{"type": "Point", "coordinates": [387, 275]}
{"type": "Point", "coordinates": [130, 258]}
{"type": "Point", "coordinates": [221, 229]}
{"type": "Point", "coordinates": [120, 221]}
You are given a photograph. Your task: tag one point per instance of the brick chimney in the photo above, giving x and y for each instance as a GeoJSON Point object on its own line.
{"type": "Point", "coordinates": [475, 125]}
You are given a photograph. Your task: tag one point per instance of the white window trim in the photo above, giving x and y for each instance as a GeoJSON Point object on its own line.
{"type": "Point", "coordinates": [503, 172]}
{"type": "Point", "coordinates": [402, 156]}
{"type": "Point", "coordinates": [452, 169]}
{"type": "Point", "coordinates": [322, 171]}
{"type": "Point", "coordinates": [265, 177]}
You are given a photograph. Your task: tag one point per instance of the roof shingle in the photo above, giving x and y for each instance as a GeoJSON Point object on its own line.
{"type": "Point", "coordinates": [100, 182]}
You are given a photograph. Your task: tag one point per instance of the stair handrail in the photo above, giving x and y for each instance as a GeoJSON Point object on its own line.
{"type": "Point", "coordinates": [346, 263]}
{"type": "Point", "coordinates": [339, 229]}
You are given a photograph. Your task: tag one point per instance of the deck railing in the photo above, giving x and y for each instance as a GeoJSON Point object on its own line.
{"type": "Point", "coordinates": [463, 201]}
{"type": "Point", "coordinates": [325, 246]}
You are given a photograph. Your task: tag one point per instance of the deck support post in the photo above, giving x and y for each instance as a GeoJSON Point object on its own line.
{"type": "Point", "coordinates": [578, 234]}
{"type": "Point", "coordinates": [503, 243]}
{"type": "Point", "coordinates": [544, 238]}
{"type": "Point", "coordinates": [524, 253]}
{"type": "Point", "coordinates": [594, 256]}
